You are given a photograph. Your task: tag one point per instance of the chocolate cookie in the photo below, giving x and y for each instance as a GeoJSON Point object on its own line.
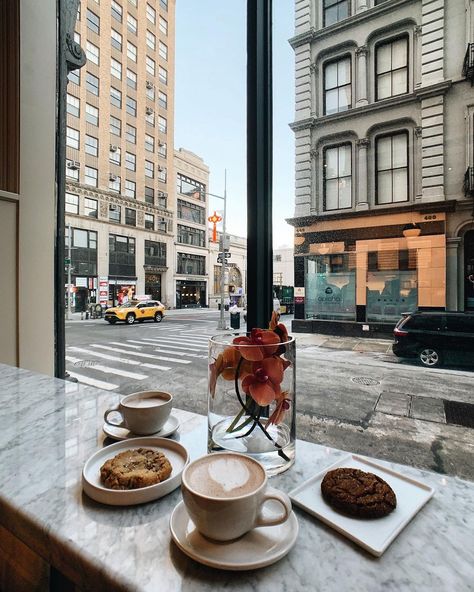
{"type": "Point", "coordinates": [358, 493]}
{"type": "Point", "coordinates": [133, 469]}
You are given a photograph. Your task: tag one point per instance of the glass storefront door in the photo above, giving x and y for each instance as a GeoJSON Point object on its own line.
{"type": "Point", "coordinates": [469, 270]}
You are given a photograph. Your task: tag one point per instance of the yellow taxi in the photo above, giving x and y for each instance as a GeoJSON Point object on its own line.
{"type": "Point", "coordinates": [136, 310]}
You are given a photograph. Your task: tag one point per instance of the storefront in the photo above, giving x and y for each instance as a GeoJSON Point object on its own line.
{"type": "Point", "coordinates": [190, 294]}
{"type": "Point", "coordinates": [153, 285]}
{"type": "Point", "coordinates": [121, 290]}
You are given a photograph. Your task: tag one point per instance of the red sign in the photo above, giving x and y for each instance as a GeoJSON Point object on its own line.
{"type": "Point", "coordinates": [299, 299]}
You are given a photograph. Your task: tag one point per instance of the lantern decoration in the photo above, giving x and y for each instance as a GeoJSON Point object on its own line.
{"type": "Point", "coordinates": [214, 219]}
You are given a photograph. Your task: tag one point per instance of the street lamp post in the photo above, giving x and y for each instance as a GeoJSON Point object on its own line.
{"type": "Point", "coordinates": [69, 269]}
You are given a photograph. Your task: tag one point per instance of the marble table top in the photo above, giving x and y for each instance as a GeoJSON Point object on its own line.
{"type": "Point", "coordinates": [50, 428]}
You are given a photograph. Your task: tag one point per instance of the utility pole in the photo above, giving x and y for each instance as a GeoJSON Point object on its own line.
{"type": "Point", "coordinates": [222, 324]}
{"type": "Point", "coordinates": [69, 267]}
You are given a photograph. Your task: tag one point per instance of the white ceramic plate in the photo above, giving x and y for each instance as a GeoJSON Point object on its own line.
{"type": "Point", "coordinates": [374, 535]}
{"type": "Point", "coordinates": [117, 433]}
{"type": "Point", "coordinates": [92, 486]}
{"type": "Point", "coordinates": [258, 548]}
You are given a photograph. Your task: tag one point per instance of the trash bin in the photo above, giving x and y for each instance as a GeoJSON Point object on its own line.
{"type": "Point", "coordinates": [235, 320]}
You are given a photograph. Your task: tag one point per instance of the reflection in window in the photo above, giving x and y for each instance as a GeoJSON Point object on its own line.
{"type": "Point", "coordinates": [191, 264]}
{"type": "Point", "coordinates": [338, 177]}
{"type": "Point", "coordinates": [335, 11]}
{"type": "Point", "coordinates": [391, 157]}
{"type": "Point", "coordinates": [191, 187]}
{"type": "Point", "coordinates": [392, 68]}
{"type": "Point", "coordinates": [114, 213]}
{"type": "Point", "coordinates": [92, 145]}
{"type": "Point", "coordinates": [130, 189]}
{"type": "Point", "coordinates": [130, 217]}
{"type": "Point", "coordinates": [91, 207]}
{"type": "Point", "coordinates": [90, 176]}
{"type": "Point", "coordinates": [72, 203]}
{"type": "Point", "coordinates": [191, 212]}
{"type": "Point", "coordinates": [337, 86]}
{"type": "Point", "coordinates": [191, 236]}
{"type": "Point", "coordinates": [155, 253]}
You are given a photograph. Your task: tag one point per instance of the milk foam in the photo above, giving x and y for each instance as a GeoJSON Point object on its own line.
{"type": "Point", "coordinates": [148, 402]}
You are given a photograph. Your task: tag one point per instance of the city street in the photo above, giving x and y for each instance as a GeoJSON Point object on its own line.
{"type": "Point", "coordinates": [351, 393]}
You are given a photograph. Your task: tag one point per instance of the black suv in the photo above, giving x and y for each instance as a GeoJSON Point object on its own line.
{"type": "Point", "coordinates": [435, 337]}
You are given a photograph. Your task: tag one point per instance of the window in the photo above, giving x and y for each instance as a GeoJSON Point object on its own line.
{"type": "Point", "coordinates": [115, 97]}
{"type": "Point", "coordinates": [84, 253]}
{"type": "Point", "coordinates": [114, 213]}
{"type": "Point", "coordinates": [131, 79]}
{"type": "Point", "coordinates": [91, 207]}
{"type": "Point", "coordinates": [149, 195]}
{"type": "Point", "coordinates": [121, 255]}
{"type": "Point", "coordinates": [92, 145]}
{"type": "Point", "coordinates": [131, 134]}
{"type": "Point", "coordinates": [162, 75]}
{"type": "Point", "coordinates": [149, 169]}
{"type": "Point", "coordinates": [191, 264]}
{"type": "Point", "coordinates": [191, 212]}
{"type": "Point", "coordinates": [72, 138]}
{"type": "Point", "coordinates": [92, 84]}
{"type": "Point", "coordinates": [337, 86]}
{"type": "Point", "coordinates": [149, 221]}
{"type": "Point", "coordinates": [162, 174]}
{"type": "Point", "coordinates": [149, 143]}
{"type": "Point", "coordinates": [90, 176]}
{"type": "Point", "coordinates": [116, 68]}
{"type": "Point", "coordinates": [151, 14]}
{"type": "Point", "coordinates": [150, 65]}
{"type": "Point", "coordinates": [150, 91]}
{"type": "Point", "coordinates": [191, 188]}
{"type": "Point", "coordinates": [73, 105]}
{"type": "Point", "coordinates": [93, 22]}
{"type": "Point", "coordinates": [130, 161]}
{"type": "Point", "coordinates": [72, 171]}
{"type": "Point", "coordinates": [130, 189]}
{"type": "Point", "coordinates": [191, 236]}
{"type": "Point", "coordinates": [92, 53]}
{"type": "Point", "coordinates": [131, 106]}
{"type": "Point", "coordinates": [391, 164]}
{"type": "Point", "coordinates": [335, 11]}
{"type": "Point", "coordinates": [337, 177]}
{"type": "Point", "coordinates": [155, 252]}
{"type": "Point", "coordinates": [162, 225]}
{"type": "Point", "coordinates": [114, 183]}
{"type": "Point", "coordinates": [74, 76]}
{"type": "Point", "coordinates": [130, 217]}
{"type": "Point", "coordinates": [162, 99]}
{"type": "Point", "coordinates": [163, 25]}
{"type": "Point", "coordinates": [151, 40]}
{"type": "Point", "coordinates": [162, 199]}
{"type": "Point", "coordinates": [72, 203]}
{"type": "Point", "coordinates": [131, 51]}
{"type": "Point", "coordinates": [132, 24]}
{"type": "Point", "coordinates": [391, 64]}
{"type": "Point", "coordinates": [150, 116]}
{"type": "Point", "coordinates": [114, 154]}
{"type": "Point", "coordinates": [116, 39]}
{"type": "Point", "coordinates": [162, 149]}
{"type": "Point", "coordinates": [162, 124]}
{"type": "Point", "coordinates": [115, 125]}
{"type": "Point", "coordinates": [163, 50]}
{"type": "Point", "coordinates": [92, 114]}
{"type": "Point", "coordinates": [164, 4]}
{"type": "Point", "coordinates": [133, 2]}
{"type": "Point", "coordinates": [116, 11]}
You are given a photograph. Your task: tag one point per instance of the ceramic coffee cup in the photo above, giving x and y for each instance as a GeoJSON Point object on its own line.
{"type": "Point", "coordinates": [142, 413]}
{"type": "Point", "coordinates": [225, 493]}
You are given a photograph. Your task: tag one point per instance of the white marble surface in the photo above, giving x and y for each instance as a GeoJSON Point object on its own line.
{"type": "Point", "coordinates": [48, 430]}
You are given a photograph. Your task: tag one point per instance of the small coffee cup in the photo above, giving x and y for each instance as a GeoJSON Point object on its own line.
{"type": "Point", "coordinates": [224, 494]}
{"type": "Point", "coordinates": [143, 413]}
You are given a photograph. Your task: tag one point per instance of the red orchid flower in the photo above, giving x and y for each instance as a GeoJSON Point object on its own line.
{"type": "Point", "coordinates": [225, 365]}
{"type": "Point", "coordinates": [263, 384]}
{"type": "Point", "coordinates": [266, 339]}
{"type": "Point", "coordinates": [278, 328]}
{"type": "Point", "coordinates": [283, 404]}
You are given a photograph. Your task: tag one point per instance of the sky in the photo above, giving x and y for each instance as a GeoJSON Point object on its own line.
{"type": "Point", "coordinates": [210, 104]}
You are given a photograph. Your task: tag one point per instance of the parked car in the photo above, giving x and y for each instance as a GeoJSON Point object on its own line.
{"type": "Point", "coordinates": [435, 337]}
{"type": "Point", "coordinates": [136, 310]}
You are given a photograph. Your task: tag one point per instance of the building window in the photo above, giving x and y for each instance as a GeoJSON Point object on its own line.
{"type": "Point", "coordinates": [130, 189]}
{"type": "Point", "coordinates": [92, 84]}
{"type": "Point", "coordinates": [121, 255]}
{"type": "Point", "coordinates": [115, 125]}
{"type": "Point", "coordinates": [116, 68]}
{"type": "Point", "coordinates": [115, 97]}
{"type": "Point", "coordinates": [114, 154]}
{"type": "Point", "coordinates": [191, 212]}
{"type": "Point", "coordinates": [132, 24]}
{"type": "Point", "coordinates": [114, 213]}
{"type": "Point", "coordinates": [151, 40]}
{"type": "Point", "coordinates": [133, 2]}
{"type": "Point", "coordinates": [150, 65]}
{"type": "Point", "coordinates": [162, 99]}
{"type": "Point", "coordinates": [73, 105]}
{"type": "Point", "coordinates": [162, 225]}
{"type": "Point", "coordinates": [130, 161]}
{"type": "Point", "coordinates": [150, 116]}
{"type": "Point", "coordinates": [163, 50]}
{"type": "Point", "coordinates": [131, 106]}
{"type": "Point", "coordinates": [93, 22]}
{"type": "Point", "coordinates": [91, 207]}
{"type": "Point", "coordinates": [155, 252]}
{"type": "Point", "coordinates": [164, 4]}
{"type": "Point", "coordinates": [338, 177]}
{"type": "Point", "coordinates": [74, 76]}
{"type": "Point", "coordinates": [162, 124]}
{"type": "Point", "coordinates": [131, 134]}
{"type": "Point", "coordinates": [130, 217]}
{"type": "Point", "coordinates": [391, 64]}
{"type": "Point", "coordinates": [116, 39]}
{"type": "Point", "coordinates": [116, 11]}
{"type": "Point", "coordinates": [191, 264]}
{"type": "Point", "coordinates": [191, 188]}
{"type": "Point", "coordinates": [92, 145]}
{"type": "Point", "coordinates": [92, 53]}
{"type": "Point", "coordinates": [337, 86]}
{"type": "Point", "coordinates": [162, 174]}
{"type": "Point", "coordinates": [84, 253]}
{"type": "Point", "coordinates": [162, 149]}
{"type": "Point", "coordinates": [391, 165]}
{"type": "Point", "coordinates": [163, 25]}
{"type": "Point", "coordinates": [149, 169]}
{"type": "Point", "coordinates": [150, 91]}
{"type": "Point", "coordinates": [162, 199]}
{"type": "Point", "coordinates": [162, 75]}
{"type": "Point", "coordinates": [92, 114]}
{"type": "Point", "coordinates": [335, 11]}
{"type": "Point", "coordinates": [149, 195]}
{"type": "Point", "coordinates": [131, 51]}
{"type": "Point", "coordinates": [131, 79]}
{"type": "Point", "coordinates": [72, 170]}
{"type": "Point", "coordinates": [114, 183]}
{"type": "Point", "coordinates": [149, 221]}
{"type": "Point", "coordinates": [72, 138]}
{"type": "Point", "coordinates": [90, 176]}
{"type": "Point", "coordinates": [191, 236]}
{"type": "Point", "coordinates": [72, 203]}
{"type": "Point", "coordinates": [149, 143]}
{"type": "Point", "coordinates": [151, 14]}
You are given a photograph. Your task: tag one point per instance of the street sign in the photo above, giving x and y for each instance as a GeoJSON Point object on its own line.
{"type": "Point", "coordinates": [67, 261]}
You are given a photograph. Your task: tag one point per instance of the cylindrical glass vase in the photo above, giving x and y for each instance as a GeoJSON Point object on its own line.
{"type": "Point", "coordinates": [252, 397]}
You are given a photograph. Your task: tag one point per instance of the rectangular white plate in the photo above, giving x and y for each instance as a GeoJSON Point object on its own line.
{"type": "Point", "coordinates": [374, 535]}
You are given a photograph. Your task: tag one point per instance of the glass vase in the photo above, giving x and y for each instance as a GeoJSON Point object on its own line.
{"type": "Point", "coordinates": [251, 398]}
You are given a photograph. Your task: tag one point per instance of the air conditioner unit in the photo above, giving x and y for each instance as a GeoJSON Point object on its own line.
{"type": "Point", "coordinates": [160, 143]}
{"type": "Point", "coordinates": [162, 194]}
{"type": "Point", "coordinates": [149, 110]}
{"type": "Point", "coordinates": [112, 177]}
{"type": "Point", "coordinates": [73, 164]}
{"type": "Point", "coordinates": [112, 207]}
{"type": "Point", "coordinates": [113, 148]}
{"type": "Point", "coordinates": [160, 168]}
{"type": "Point", "coordinates": [149, 84]}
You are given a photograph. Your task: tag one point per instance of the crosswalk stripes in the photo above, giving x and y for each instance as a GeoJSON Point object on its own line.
{"type": "Point", "coordinates": [157, 342]}
{"type": "Point", "coordinates": [140, 354]}
{"type": "Point", "coordinates": [117, 358]}
{"type": "Point", "coordinates": [107, 369]}
{"type": "Point", "coordinates": [106, 386]}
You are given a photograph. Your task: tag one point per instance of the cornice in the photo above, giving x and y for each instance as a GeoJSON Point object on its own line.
{"type": "Point", "coordinates": [440, 88]}
{"type": "Point", "coordinates": [303, 124]}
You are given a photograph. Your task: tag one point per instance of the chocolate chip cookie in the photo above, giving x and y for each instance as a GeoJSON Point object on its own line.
{"type": "Point", "coordinates": [133, 469]}
{"type": "Point", "coordinates": [358, 493]}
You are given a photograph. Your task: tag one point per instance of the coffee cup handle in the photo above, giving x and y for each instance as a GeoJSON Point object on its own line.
{"type": "Point", "coordinates": [284, 500]}
{"type": "Point", "coordinates": [114, 409]}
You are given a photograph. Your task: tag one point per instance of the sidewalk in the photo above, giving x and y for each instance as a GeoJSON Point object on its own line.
{"type": "Point", "coordinates": [344, 343]}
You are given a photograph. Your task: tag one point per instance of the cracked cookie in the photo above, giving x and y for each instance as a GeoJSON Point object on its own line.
{"type": "Point", "coordinates": [358, 493]}
{"type": "Point", "coordinates": [133, 469]}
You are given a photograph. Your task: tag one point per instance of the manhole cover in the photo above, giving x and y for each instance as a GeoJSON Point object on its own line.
{"type": "Point", "coordinates": [459, 413]}
{"type": "Point", "coordinates": [365, 380]}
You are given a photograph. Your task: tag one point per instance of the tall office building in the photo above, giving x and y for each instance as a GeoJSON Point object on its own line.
{"type": "Point", "coordinates": [120, 177]}
{"type": "Point", "coordinates": [384, 131]}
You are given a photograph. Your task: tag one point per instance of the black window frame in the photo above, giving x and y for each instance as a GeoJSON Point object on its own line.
{"type": "Point", "coordinates": [130, 216]}
{"type": "Point", "coordinates": [327, 4]}
{"type": "Point", "coordinates": [330, 62]}
{"type": "Point", "coordinates": [380, 44]}
{"type": "Point", "coordinates": [86, 144]}
{"type": "Point", "coordinates": [92, 88]}
{"type": "Point", "coordinates": [333, 147]}
{"type": "Point", "coordinates": [93, 21]}
{"type": "Point", "coordinates": [376, 169]}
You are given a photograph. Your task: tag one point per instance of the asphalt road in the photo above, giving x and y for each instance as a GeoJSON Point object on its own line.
{"type": "Point", "coordinates": [351, 394]}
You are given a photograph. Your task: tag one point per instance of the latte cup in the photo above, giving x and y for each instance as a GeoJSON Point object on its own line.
{"type": "Point", "coordinates": [143, 413]}
{"type": "Point", "coordinates": [225, 494]}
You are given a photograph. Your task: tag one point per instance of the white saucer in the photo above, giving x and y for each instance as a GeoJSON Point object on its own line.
{"type": "Point", "coordinates": [258, 548]}
{"type": "Point", "coordinates": [116, 433]}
